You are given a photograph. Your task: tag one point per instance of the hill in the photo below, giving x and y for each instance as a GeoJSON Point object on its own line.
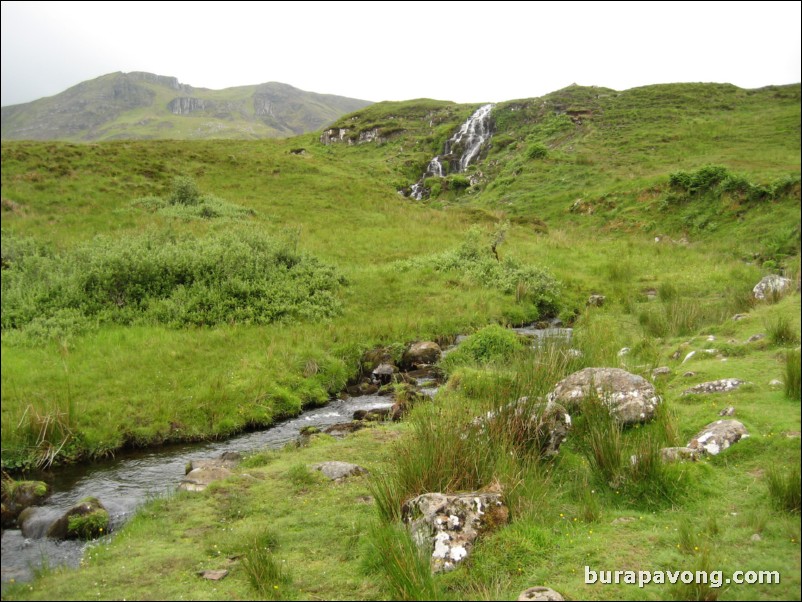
{"type": "Point", "coordinates": [146, 106]}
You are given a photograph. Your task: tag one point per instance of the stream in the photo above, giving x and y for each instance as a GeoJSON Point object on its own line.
{"type": "Point", "coordinates": [132, 478]}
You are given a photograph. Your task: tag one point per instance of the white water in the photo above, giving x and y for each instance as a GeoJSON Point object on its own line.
{"type": "Point", "coordinates": [469, 138]}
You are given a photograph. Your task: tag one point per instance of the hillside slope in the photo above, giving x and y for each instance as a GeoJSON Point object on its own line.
{"type": "Point", "coordinates": [141, 105]}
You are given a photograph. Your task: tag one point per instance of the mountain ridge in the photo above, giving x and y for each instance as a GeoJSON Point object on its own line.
{"type": "Point", "coordinates": [142, 105]}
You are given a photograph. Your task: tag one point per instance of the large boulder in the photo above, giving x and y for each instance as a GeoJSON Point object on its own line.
{"type": "Point", "coordinates": [422, 353]}
{"type": "Point", "coordinates": [631, 398]}
{"type": "Point", "coordinates": [771, 285]}
{"type": "Point", "coordinates": [87, 519]}
{"type": "Point", "coordinates": [723, 385]}
{"type": "Point", "coordinates": [448, 525]}
{"type": "Point", "coordinates": [718, 436]}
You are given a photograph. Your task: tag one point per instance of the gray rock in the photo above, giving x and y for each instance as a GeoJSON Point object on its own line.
{"type": "Point", "coordinates": [661, 371]}
{"type": "Point", "coordinates": [383, 373]}
{"type": "Point", "coordinates": [771, 285]}
{"type": "Point", "coordinates": [227, 460]}
{"type": "Point", "coordinates": [213, 575]}
{"type": "Point", "coordinates": [718, 436]}
{"type": "Point", "coordinates": [200, 478]}
{"type": "Point", "coordinates": [756, 537]}
{"type": "Point", "coordinates": [775, 383]}
{"type": "Point", "coordinates": [448, 525]}
{"type": "Point", "coordinates": [540, 594]}
{"type": "Point", "coordinates": [623, 351]}
{"type": "Point", "coordinates": [689, 374]}
{"type": "Point", "coordinates": [737, 317]}
{"type": "Point", "coordinates": [339, 471]}
{"type": "Point", "coordinates": [631, 398]}
{"type": "Point", "coordinates": [756, 337]}
{"type": "Point", "coordinates": [723, 385]}
{"type": "Point", "coordinates": [678, 454]}
{"type": "Point", "coordinates": [728, 411]}
{"type": "Point", "coordinates": [596, 300]}
{"type": "Point", "coordinates": [422, 353]}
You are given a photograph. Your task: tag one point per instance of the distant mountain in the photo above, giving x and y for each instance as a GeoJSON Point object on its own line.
{"type": "Point", "coordinates": [141, 105]}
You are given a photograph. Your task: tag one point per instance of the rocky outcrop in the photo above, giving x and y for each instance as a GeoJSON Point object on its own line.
{"type": "Point", "coordinates": [771, 285]}
{"type": "Point", "coordinates": [723, 385]}
{"type": "Point", "coordinates": [448, 525]}
{"type": "Point", "coordinates": [718, 436]}
{"type": "Point", "coordinates": [420, 354]}
{"type": "Point", "coordinates": [185, 105]}
{"type": "Point", "coordinates": [540, 594]}
{"type": "Point", "coordinates": [333, 135]}
{"type": "Point", "coordinates": [631, 398]}
{"type": "Point", "coordinates": [87, 519]}
{"type": "Point", "coordinates": [339, 471]}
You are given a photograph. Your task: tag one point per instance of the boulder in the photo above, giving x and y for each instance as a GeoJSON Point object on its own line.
{"type": "Point", "coordinates": [87, 519]}
{"type": "Point", "coordinates": [718, 436]}
{"type": "Point", "coordinates": [198, 479]}
{"type": "Point", "coordinates": [723, 385]}
{"type": "Point", "coordinates": [771, 285]}
{"type": "Point", "coordinates": [422, 353]}
{"type": "Point", "coordinates": [383, 374]}
{"type": "Point", "coordinates": [631, 398]}
{"type": "Point", "coordinates": [19, 495]}
{"type": "Point", "coordinates": [539, 594]}
{"type": "Point", "coordinates": [448, 525]}
{"type": "Point", "coordinates": [339, 471]}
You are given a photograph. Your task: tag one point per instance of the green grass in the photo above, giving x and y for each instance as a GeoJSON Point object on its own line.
{"type": "Point", "coordinates": [419, 270]}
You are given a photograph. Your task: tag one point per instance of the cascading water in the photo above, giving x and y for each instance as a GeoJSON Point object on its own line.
{"type": "Point", "coordinates": [469, 139]}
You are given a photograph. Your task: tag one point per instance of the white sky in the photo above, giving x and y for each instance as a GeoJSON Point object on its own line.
{"type": "Point", "coordinates": [466, 51]}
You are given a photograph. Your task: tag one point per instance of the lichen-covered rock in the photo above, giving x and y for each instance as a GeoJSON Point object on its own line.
{"type": "Point", "coordinates": [631, 398]}
{"type": "Point", "coordinates": [87, 519]}
{"type": "Point", "coordinates": [339, 471]}
{"type": "Point", "coordinates": [422, 353]}
{"type": "Point", "coordinates": [677, 454]}
{"type": "Point", "coordinates": [771, 285]}
{"type": "Point", "coordinates": [540, 593]}
{"type": "Point", "coordinates": [718, 436]}
{"type": "Point", "coordinates": [448, 525]}
{"type": "Point", "coordinates": [723, 385]}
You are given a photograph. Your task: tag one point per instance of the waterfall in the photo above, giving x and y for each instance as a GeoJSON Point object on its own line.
{"type": "Point", "coordinates": [468, 140]}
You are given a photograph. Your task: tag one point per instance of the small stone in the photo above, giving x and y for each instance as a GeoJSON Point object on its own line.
{"type": "Point", "coordinates": [623, 351]}
{"type": "Point", "coordinates": [678, 454]}
{"type": "Point", "coordinates": [737, 317]}
{"type": "Point", "coordinates": [213, 575]}
{"type": "Point", "coordinates": [661, 371]}
{"type": "Point", "coordinates": [689, 356]}
{"type": "Point", "coordinates": [775, 383]}
{"type": "Point", "coordinates": [596, 300]}
{"type": "Point", "coordinates": [711, 338]}
{"type": "Point", "coordinates": [728, 411]}
{"type": "Point", "coordinates": [339, 471]}
{"type": "Point", "coordinates": [689, 374]}
{"type": "Point", "coordinates": [540, 594]}
{"type": "Point", "coordinates": [756, 337]}
{"type": "Point", "coordinates": [756, 537]}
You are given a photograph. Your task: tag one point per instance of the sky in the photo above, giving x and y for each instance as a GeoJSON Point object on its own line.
{"type": "Point", "coordinates": [460, 51]}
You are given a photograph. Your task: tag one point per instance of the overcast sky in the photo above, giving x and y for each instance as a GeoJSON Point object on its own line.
{"type": "Point", "coordinates": [461, 51]}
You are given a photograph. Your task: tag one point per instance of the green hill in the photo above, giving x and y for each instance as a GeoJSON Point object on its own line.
{"type": "Point", "coordinates": [146, 106]}
{"type": "Point", "coordinates": [238, 281]}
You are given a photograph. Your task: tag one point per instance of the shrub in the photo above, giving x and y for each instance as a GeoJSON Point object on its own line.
{"type": "Point", "coordinates": [537, 151]}
{"type": "Point", "coordinates": [491, 344]}
{"type": "Point", "coordinates": [267, 575]}
{"type": "Point", "coordinates": [184, 191]}
{"type": "Point", "coordinates": [781, 331]}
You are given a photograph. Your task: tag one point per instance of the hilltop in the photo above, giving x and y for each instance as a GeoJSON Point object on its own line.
{"type": "Point", "coordinates": [142, 105]}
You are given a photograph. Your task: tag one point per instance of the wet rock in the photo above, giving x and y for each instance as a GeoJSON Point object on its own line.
{"type": "Point", "coordinates": [771, 285]}
{"type": "Point", "coordinates": [728, 411]}
{"type": "Point", "coordinates": [87, 519]}
{"type": "Point", "coordinates": [678, 454]}
{"type": "Point", "coordinates": [383, 374]}
{"type": "Point", "coordinates": [200, 478]}
{"type": "Point", "coordinates": [718, 436]}
{"type": "Point", "coordinates": [423, 353]}
{"type": "Point", "coordinates": [631, 398]}
{"type": "Point", "coordinates": [19, 495]}
{"type": "Point", "coordinates": [723, 385]}
{"type": "Point", "coordinates": [539, 593]}
{"type": "Point", "coordinates": [373, 414]}
{"type": "Point", "coordinates": [596, 300]}
{"type": "Point", "coordinates": [448, 525]}
{"type": "Point", "coordinates": [341, 429]}
{"type": "Point", "coordinates": [339, 471]}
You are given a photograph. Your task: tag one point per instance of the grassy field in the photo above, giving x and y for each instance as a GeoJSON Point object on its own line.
{"type": "Point", "coordinates": [606, 192]}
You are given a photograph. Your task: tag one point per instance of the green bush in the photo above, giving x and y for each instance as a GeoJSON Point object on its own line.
{"type": "Point", "coordinates": [184, 191]}
{"type": "Point", "coordinates": [537, 151]}
{"type": "Point", "coordinates": [491, 344]}
{"type": "Point", "coordinates": [785, 489]}
{"type": "Point", "coordinates": [188, 281]}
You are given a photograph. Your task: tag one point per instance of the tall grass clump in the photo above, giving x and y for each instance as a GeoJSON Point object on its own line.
{"type": "Point", "coordinates": [792, 374]}
{"type": "Point", "coordinates": [268, 577]}
{"type": "Point", "coordinates": [404, 565]}
{"type": "Point", "coordinates": [185, 201]}
{"type": "Point", "coordinates": [221, 278]}
{"type": "Point", "coordinates": [780, 330]}
{"type": "Point", "coordinates": [785, 488]}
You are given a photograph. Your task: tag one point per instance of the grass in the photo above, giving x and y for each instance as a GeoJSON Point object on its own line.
{"type": "Point", "coordinates": [414, 271]}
